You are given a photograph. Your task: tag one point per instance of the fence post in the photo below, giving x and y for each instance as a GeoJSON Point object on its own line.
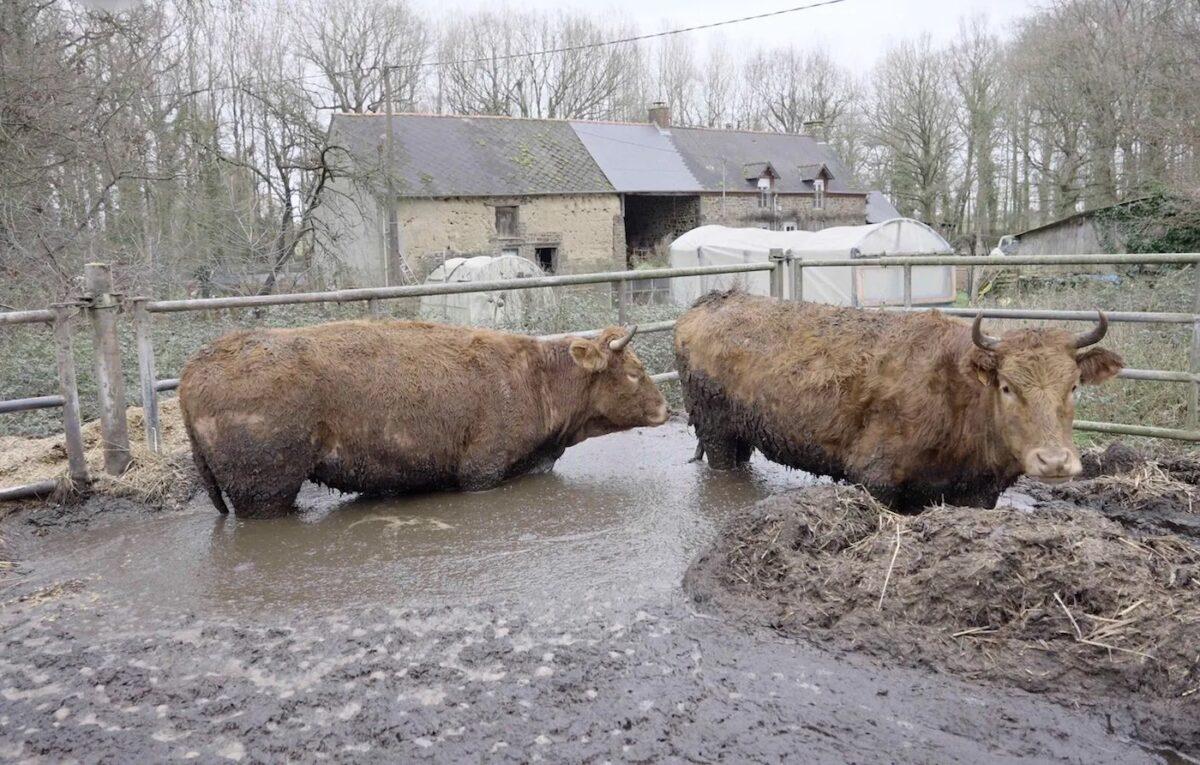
{"type": "Point", "coordinates": [110, 382]}
{"type": "Point", "coordinates": [797, 278]}
{"type": "Point", "coordinates": [146, 373]}
{"type": "Point", "coordinates": [908, 285]}
{"type": "Point", "coordinates": [622, 302]}
{"type": "Point", "coordinates": [1193, 412]}
{"type": "Point", "coordinates": [68, 388]}
{"type": "Point", "coordinates": [779, 261]}
{"type": "Point", "coordinates": [374, 307]}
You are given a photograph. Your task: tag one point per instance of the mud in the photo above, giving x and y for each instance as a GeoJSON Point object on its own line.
{"type": "Point", "coordinates": [1059, 601]}
{"type": "Point", "coordinates": [539, 621]}
{"type": "Point", "coordinates": [1147, 494]}
{"type": "Point", "coordinates": [469, 684]}
{"type": "Point", "coordinates": [598, 523]}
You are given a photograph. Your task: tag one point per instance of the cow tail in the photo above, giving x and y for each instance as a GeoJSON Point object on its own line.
{"type": "Point", "coordinates": [206, 474]}
{"type": "Point", "coordinates": [210, 481]}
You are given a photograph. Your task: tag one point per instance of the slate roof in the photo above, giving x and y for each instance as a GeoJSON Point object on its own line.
{"type": "Point", "coordinates": [752, 171]}
{"type": "Point", "coordinates": [450, 156]}
{"type": "Point", "coordinates": [813, 171]}
{"type": "Point", "coordinates": [880, 208]}
{"type": "Point", "coordinates": [704, 150]}
{"type": "Point", "coordinates": [447, 156]}
{"type": "Point", "coordinates": [636, 157]}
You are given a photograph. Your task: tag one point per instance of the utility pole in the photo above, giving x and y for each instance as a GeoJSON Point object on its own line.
{"type": "Point", "coordinates": [393, 272]}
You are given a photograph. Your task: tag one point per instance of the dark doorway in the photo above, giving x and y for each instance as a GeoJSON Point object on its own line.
{"type": "Point", "coordinates": [653, 221]}
{"type": "Point", "coordinates": [547, 258]}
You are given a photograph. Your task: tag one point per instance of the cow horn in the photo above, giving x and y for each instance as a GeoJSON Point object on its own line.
{"type": "Point", "coordinates": [986, 342]}
{"type": "Point", "coordinates": [622, 341]}
{"type": "Point", "coordinates": [1095, 334]}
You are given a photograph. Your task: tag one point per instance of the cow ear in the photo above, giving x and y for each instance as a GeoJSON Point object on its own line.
{"type": "Point", "coordinates": [588, 355]}
{"type": "Point", "coordinates": [1097, 365]}
{"type": "Point", "coordinates": [983, 365]}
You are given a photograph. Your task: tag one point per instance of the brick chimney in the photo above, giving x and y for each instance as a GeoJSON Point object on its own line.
{"type": "Point", "coordinates": [660, 114]}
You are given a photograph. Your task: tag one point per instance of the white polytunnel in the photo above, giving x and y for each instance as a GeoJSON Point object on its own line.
{"type": "Point", "coordinates": [495, 308]}
{"type": "Point", "coordinates": [849, 286]}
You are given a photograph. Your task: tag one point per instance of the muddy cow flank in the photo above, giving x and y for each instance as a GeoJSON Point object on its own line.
{"type": "Point", "coordinates": [391, 406]}
{"type": "Point", "coordinates": [918, 407]}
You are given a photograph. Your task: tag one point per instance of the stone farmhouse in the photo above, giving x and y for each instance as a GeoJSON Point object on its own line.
{"type": "Point", "coordinates": [573, 196]}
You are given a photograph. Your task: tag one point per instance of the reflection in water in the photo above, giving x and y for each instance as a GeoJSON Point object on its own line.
{"type": "Point", "coordinates": [620, 516]}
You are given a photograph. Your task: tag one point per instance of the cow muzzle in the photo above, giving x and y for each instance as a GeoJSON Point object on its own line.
{"type": "Point", "coordinates": [660, 416]}
{"type": "Point", "coordinates": [1052, 464]}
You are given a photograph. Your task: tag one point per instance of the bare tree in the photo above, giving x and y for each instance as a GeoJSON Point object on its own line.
{"type": "Point", "coordinates": [351, 42]}
{"type": "Point", "coordinates": [676, 78]}
{"type": "Point", "coordinates": [794, 87]}
{"type": "Point", "coordinates": [719, 85]}
{"type": "Point", "coordinates": [976, 59]}
{"type": "Point", "coordinates": [913, 119]}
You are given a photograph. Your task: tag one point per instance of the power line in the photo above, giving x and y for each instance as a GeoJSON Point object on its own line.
{"type": "Point", "coordinates": [609, 43]}
{"type": "Point", "coordinates": [526, 54]}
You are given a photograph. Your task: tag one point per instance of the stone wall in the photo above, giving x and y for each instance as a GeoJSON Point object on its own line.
{"type": "Point", "coordinates": [585, 229]}
{"type": "Point", "coordinates": [652, 221]}
{"type": "Point", "coordinates": [354, 223]}
{"type": "Point", "coordinates": [579, 226]}
{"type": "Point", "coordinates": [742, 210]}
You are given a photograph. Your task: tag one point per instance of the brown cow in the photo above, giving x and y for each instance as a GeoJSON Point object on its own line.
{"type": "Point", "coordinates": [916, 407]}
{"type": "Point", "coordinates": [390, 406]}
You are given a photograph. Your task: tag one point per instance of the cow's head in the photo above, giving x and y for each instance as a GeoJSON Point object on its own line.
{"type": "Point", "coordinates": [621, 394]}
{"type": "Point", "coordinates": [1032, 376]}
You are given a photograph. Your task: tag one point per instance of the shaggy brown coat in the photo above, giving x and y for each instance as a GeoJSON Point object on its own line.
{"type": "Point", "coordinates": [906, 404]}
{"type": "Point", "coordinates": [389, 406]}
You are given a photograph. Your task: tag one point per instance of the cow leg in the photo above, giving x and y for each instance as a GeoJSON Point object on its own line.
{"type": "Point", "coordinates": [722, 452]}
{"type": "Point", "coordinates": [742, 452]}
{"type": "Point", "coordinates": [265, 502]}
{"type": "Point", "coordinates": [479, 482]}
{"type": "Point", "coordinates": [480, 473]}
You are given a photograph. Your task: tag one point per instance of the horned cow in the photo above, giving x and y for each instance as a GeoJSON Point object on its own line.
{"type": "Point", "coordinates": [918, 407]}
{"type": "Point", "coordinates": [390, 406]}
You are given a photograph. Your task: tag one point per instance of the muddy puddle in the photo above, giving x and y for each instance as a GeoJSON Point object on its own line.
{"type": "Point", "coordinates": [619, 517]}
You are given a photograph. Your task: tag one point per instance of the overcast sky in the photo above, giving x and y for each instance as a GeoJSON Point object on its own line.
{"type": "Point", "coordinates": [855, 31]}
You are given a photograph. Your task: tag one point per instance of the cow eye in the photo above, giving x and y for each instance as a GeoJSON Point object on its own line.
{"type": "Point", "coordinates": [1005, 389]}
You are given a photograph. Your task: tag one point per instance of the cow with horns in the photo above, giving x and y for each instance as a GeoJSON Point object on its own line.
{"type": "Point", "coordinates": [918, 408]}
{"type": "Point", "coordinates": [392, 406]}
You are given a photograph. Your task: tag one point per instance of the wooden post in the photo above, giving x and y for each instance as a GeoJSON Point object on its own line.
{"type": "Point", "coordinates": [375, 308]}
{"type": "Point", "coordinates": [622, 302]}
{"type": "Point", "coordinates": [109, 380]}
{"type": "Point", "coordinates": [797, 278]}
{"type": "Point", "coordinates": [1193, 412]}
{"type": "Point", "coordinates": [394, 272]}
{"type": "Point", "coordinates": [778, 260]}
{"type": "Point", "coordinates": [907, 285]}
{"type": "Point", "coordinates": [67, 387]}
{"type": "Point", "coordinates": [146, 373]}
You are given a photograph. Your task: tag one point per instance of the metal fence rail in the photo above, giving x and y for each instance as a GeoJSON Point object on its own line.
{"type": "Point", "coordinates": [453, 288]}
{"type": "Point", "coordinates": [59, 318]}
{"type": "Point", "coordinates": [102, 305]}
